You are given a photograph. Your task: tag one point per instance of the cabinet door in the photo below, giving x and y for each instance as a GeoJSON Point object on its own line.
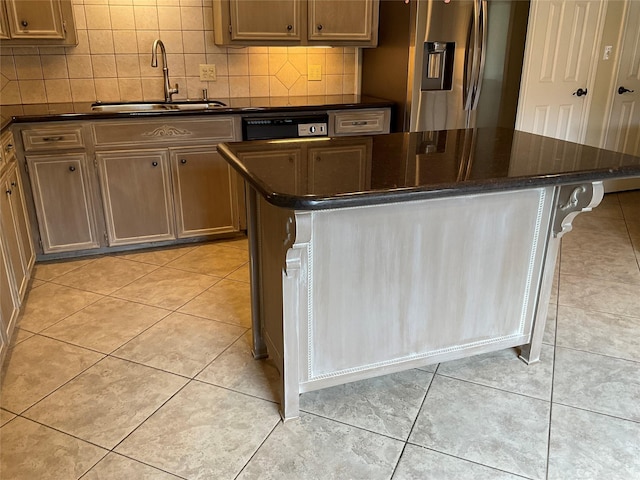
{"type": "Point", "coordinates": [64, 202]}
{"type": "Point", "coordinates": [265, 19]}
{"type": "Point", "coordinates": [20, 220]}
{"type": "Point", "coordinates": [337, 20]}
{"type": "Point", "coordinates": [284, 163]}
{"type": "Point", "coordinates": [8, 303]}
{"type": "Point", "coordinates": [339, 169]}
{"type": "Point", "coordinates": [204, 191]}
{"type": "Point", "coordinates": [11, 232]}
{"type": "Point", "coordinates": [137, 196]}
{"type": "Point", "coordinates": [36, 19]}
{"type": "Point", "coordinates": [4, 26]}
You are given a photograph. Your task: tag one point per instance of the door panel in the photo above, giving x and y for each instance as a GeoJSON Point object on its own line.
{"type": "Point", "coordinates": [623, 134]}
{"type": "Point", "coordinates": [558, 61]}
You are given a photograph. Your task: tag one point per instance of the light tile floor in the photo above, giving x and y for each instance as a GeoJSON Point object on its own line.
{"type": "Point", "coordinates": [138, 366]}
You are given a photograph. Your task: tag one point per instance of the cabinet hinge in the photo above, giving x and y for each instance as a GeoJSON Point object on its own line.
{"type": "Point", "coordinates": [229, 28]}
{"type": "Point", "coordinates": [106, 238]}
{"type": "Point", "coordinates": [40, 243]}
{"type": "Point", "coordinates": [95, 161]}
{"type": "Point", "coordinates": [26, 168]}
{"type": "Point", "coordinates": [64, 26]}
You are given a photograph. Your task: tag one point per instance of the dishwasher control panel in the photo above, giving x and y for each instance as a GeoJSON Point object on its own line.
{"type": "Point", "coordinates": [289, 126]}
{"type": "Point", "coordinates": [312, 129]}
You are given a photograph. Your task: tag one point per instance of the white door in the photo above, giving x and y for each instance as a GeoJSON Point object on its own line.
{"type": "Point", "coordinates": [623, 134]}
{"type": "Point", "coordinates": [559, 55]}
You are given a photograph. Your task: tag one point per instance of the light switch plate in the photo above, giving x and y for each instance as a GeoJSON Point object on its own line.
{"type": "Point", "coordinates": [207, 72]}
{"type": "Point", "coordinates": [314, 73]}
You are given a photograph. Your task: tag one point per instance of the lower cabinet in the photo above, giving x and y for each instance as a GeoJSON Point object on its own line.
{"type": "Point", "coordinates": [136, 195]}
{"type": "Point", "coordinates": [336, 169]}
{"type": "Point", "coordinates": [17, 254]}
{"type": "Point", "coordinates": [63, 200]}
{"type": "Point", "coordinates": [8, 302]}
{"type": "Point", "coordinates": [204, 192]}
{"type": "Point", "coordinates": [163, 194]}
{"type": "Point", "coordinates": [15, 228]}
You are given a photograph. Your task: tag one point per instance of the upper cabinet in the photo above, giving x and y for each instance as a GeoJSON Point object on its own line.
{"type": "Point", "coordinates": [37, 23]}
{"type": "Point", "coordinates": [296, 22]}
{"type": "Point", "coordinates": [339, 21]}
{"type": "Point", "coordinates": [257, 20]}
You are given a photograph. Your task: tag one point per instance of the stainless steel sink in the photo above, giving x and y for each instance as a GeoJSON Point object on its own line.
{"type": "Point", "coordinates": [155, 106]}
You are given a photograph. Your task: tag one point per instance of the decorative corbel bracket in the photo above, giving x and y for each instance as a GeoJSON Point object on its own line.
{"type": "Point", "coordinates": [572, 200]}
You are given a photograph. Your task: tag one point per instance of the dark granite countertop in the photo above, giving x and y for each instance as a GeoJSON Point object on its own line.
{"type": "Point", "coordinates": [82, 111]}
{"type": "Point", "coordinates": [354, 171]}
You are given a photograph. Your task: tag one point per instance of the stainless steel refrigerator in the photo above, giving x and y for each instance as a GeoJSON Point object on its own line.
{"type": "Point", "coordinates": [448, 63]}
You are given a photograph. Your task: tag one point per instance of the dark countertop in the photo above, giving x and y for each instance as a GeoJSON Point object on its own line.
{"type": "Point", "coordinates": [82, 111]}
{"type": "Point", "coordinates": [401, 167]}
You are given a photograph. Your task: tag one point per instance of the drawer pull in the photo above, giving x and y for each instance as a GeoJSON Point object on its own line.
{"type": "Point", "coordinates": [361, 122]}
{"type": "Point", "coordinates": [52, 139]}
{"type": "Point", "coordinates": [72, 168]}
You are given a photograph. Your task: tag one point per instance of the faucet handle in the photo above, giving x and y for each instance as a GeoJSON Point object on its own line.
{"type": "Point", "coordinates": [175, 89]}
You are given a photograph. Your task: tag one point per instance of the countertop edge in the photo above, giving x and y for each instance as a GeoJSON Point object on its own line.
{"type": "Point", "coordinates": [407, 194]}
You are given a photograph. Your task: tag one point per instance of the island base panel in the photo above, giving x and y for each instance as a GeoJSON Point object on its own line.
{"type": "Point", "coordinates": [347, 294]}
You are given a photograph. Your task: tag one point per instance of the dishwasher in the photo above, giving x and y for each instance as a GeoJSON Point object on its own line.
{"type": "Point", "coordinates": [289, 126]}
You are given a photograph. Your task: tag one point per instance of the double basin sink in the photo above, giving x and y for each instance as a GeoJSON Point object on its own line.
{"type": "Point", "coordinates": [156, 106]}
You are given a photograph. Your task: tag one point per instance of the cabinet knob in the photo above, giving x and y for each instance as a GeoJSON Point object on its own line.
{"type": "Point", "coordinates": [289, 27]}
{"type": "Point", "coordinates": [183, 161]}
{"type": "Point", "coordinates": [155, 164]}
{"type": "Point", "coordinates": [9, 147]}
{"type": "Point", "coordinates": [8, 192]}
{"type": "Point", "coordinates": [319, 27]}
{"type": "Point", "coordinates": [72, 168]}
{"type": "Point", "coordinates": [13, 184]}
{"type": "Point", "coordinates": [24, 23]}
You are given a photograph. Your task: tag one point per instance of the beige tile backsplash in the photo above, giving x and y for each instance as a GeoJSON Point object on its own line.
{"type": "Point", "coordinates": [112, 61]}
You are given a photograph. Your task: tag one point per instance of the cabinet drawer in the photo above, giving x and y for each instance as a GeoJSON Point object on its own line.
{"type": "Point", "coordinates": [360, 122]}
{"type": "Point", "coordinates": [164, 132]}
{"type": "Point", "coordinates": [53, 138]}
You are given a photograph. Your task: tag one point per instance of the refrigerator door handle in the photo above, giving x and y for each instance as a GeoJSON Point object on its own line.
{"type": "Point", "coordinates": [484, 11]}
{"type": "Point", "coordinates": [473, 50]}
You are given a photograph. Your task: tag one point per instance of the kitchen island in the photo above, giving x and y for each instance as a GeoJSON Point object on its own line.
{"type": "Point", "coordinates": [371, 255]}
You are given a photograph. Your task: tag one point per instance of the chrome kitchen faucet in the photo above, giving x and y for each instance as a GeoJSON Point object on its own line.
{"type": "Point", "coordinates": [168, 91]}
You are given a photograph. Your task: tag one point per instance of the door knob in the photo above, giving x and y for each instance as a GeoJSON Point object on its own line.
{"type": "Point", "coordinates": [622, 90]}
{"type": "Point", "coordinates": [580, 92]}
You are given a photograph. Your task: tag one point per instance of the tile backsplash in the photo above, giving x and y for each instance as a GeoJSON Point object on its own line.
{"type": "Point", "coordinates": [112, 61]}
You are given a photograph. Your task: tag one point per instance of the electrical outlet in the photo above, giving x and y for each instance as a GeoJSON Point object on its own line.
{"type": "Point", "coordinates": [207, 72]}
{"type": "Point", "coordinates": [314, 73]}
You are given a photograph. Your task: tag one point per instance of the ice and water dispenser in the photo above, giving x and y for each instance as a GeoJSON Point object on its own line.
{"type": "Point", "coordinates": [437, 70]}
